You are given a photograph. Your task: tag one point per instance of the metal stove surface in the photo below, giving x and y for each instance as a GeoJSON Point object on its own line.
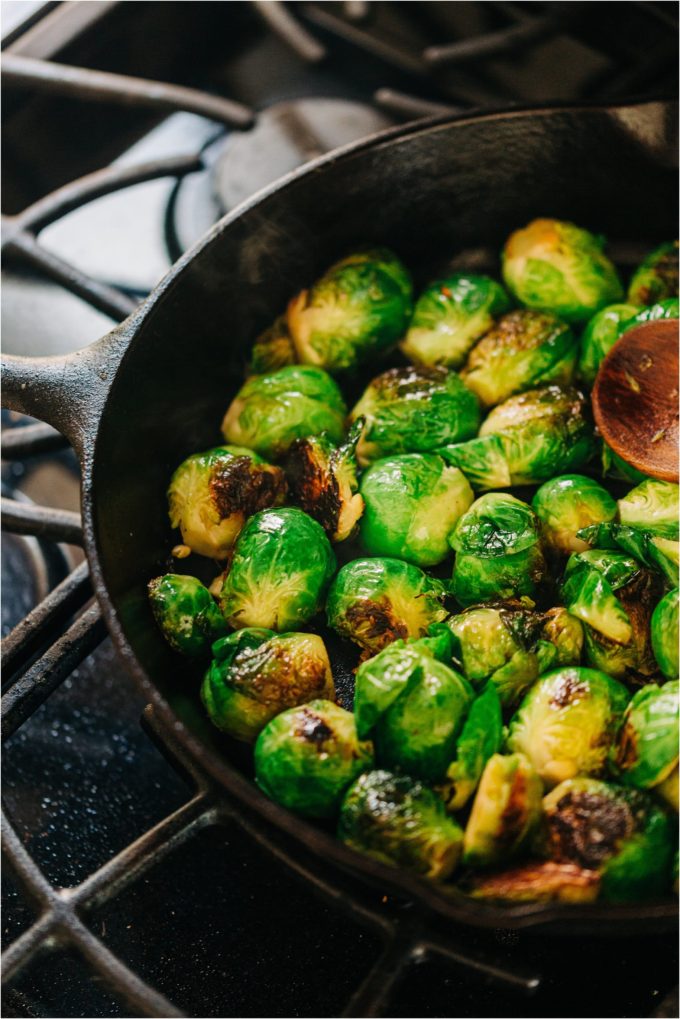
{"type": "Point", "coordinates": [208, 913]}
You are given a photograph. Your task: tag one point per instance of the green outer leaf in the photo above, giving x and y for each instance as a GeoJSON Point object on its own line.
{"type": "Point", "coordinates": [480, 737]}
{"type": "Point", "coordinates": [380, 680]}
{"type": "Point", "coordinates": [599, 336]}
{"type": "Point", "coordinates": [646, 749]}
{"type": "Point", "coordinates": [653, 506]}
{"type": "Point", "coordinates": [568, 503]}
{"type": "Point", "coordinates": [664, 629]}
{"type": "Point", "coordinates": [590, 597]}
{"type": "Point", "coordinates": [656, 278]}
{"type": "Point", "coordinates": [186, 613]}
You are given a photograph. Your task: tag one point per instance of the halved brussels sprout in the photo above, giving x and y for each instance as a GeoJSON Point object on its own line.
{"type": "Point", "coordinates": [480, 738]}
{"type": "Point", "coordinates": [498, 551]}
{"type": "Point", "coordinates": [646, 750]}
{"type": "Point", "coordinates": [273, 349]}
{"type": "Point", "coordinates": [556, 266]}
{"type": "Point", "coordinates": [412, 503]}
{"type": "Point", "coordinates": [665, 634]}
{"type": "Point", "coordinates": [414, 410]}
{"type": "Point", "coordinates": [505, 811]}
{"type": "Point", "coordinates": [450, 316]}
{"type": "Point", "coordinates": [511, 644]}
{"type": "Point", "coordinates": [187, 614]}
{"type": "Point", "coordinates": [401, 822]}
{"type": "Point", "coordinates": [621, 833]}
{"type": "Point", "coordinates": [255, 674]}
{"type": "Point", "coordinates": [306, 757]}
{"type": "Point", "coordinates": [375, 601]}
{"type": "Point", "coordinates": [567, 722]}
{"type": "Point", "coordinates": [542, 881]}
{"type": "Point", "coordinates": [527, 440]}
{"type": "Point", "coordinates": [413, 707]}
{"type": "Point", "coordinates": [656, 278]}
{"type": "Point", "coordinates": [523, 350]}
{"type": "Point", "coordinates": [271, 411]}
{"type": "Point", "coordinates": [567, 504]}
{"type": "Point", "coordinates": [613, 596]}
{"type": "Point", "coordinates": [281, 567]}
{"type": "Point", "coordinates": [323, 481]}
{"type": "Point", "coordinates": [360, 307]}
{"type": "Point", "coordinates": [652, 506]}
{"type": "Point", "coordinates": [212, 494]}
{"type": "Point", "coordinates": [599, 336]}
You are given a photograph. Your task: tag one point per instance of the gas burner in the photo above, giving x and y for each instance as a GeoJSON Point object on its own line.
{"type": "Point", "coordinates": [286, 135]}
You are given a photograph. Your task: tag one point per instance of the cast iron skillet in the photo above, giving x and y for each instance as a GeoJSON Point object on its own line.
{"type": "Point", "coordinates": [138, 401]}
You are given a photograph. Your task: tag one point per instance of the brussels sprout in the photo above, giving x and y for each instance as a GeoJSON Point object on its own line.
{"type": "Point", "coordinates": [568, 503]}
{"type": "Point", "coordinates": [273, 349]}
{"type": "Point", "coordinates": [186, 613]}
{"type": "Point", "coordinates": [659, 554]}
{"type": "Point", "coordinates": [646, 749]}
{"type": "Point", "coordinates": [665, 634]}
{"type": "Point", "coordinates": [450, 316]}
{"type": "Point", "coordinates": [505, 811]}
{"type": "Point", "coordinates": [567, 722]}
{"type": "Point", "coordinates": [412, 504]}
{"type": "Point", "coordinates": [413, 707]}
{"type": "Point", "coordinates": [599, 336]}
{"type": "Point", "coordinates": [401, 822]}
{"type": "Point", "coordinates": [652, 506]}
{"type": "Point", "coordinates": [668, 791]}
{"type": "Point", "coordinates": [414, 410]}
{"type": "Point", "coordinates": [511, 644]}
{"type": "Point", "coordinates": [376, 601]}
{"type": "Point", "coordinates": [359, 307]}
{"type": "Point", "coordinates": [657, 276]}
{"type": "Point", "coordinates": [480, 738]}
{"type": "Point", "coordinates": [498, 551]}
{"type": "Point", "coordinates": [323, 481]}
{"type": "Point", "coordinates": [559, 267]}
{"type": "Point", "coordinates": [271, 411]}
{"type": "Point", "coordinates": [621, 833]}
{"type": "Point", "coordinates": [256, 673]}
{"type": "Point", "coordinates": [538, 882]}
{"type": "Point", "coordinates": [613, 596]}
{"type": "Point", "coordinates": [613, 466]}
{"type": "Point", "coordinates": [279, 572]}
{"type": "Point", "coordinates": [524, 349]}
{"type": "Point", "coordinates": [306, 757]}
{"type": "Point", "coordinates": [528, 439]}
{"type": "Point", "coordinates": [212, 494]}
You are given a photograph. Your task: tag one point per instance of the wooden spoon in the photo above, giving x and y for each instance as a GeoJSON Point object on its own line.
{"type": "Point", "coordinates": [635, 398]}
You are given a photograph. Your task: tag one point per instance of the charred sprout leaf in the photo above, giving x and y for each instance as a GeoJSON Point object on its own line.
{"type": "Point", "coordinates": [271, 411]}
{"type": "Point", "coordinates": [412, 504]}
{"type": "Point", "coordinates": [599, 336]}
{"type": "Point", "coordinates": [505, 811]}
{"type": "Point", "coordinates": [567, 723]}
{"type": "Point", "coordinates": [620, 833]}
{"type": "Point", "coordinates": [187, 614]}
{"type": "Point", "coordinates": [273, 349]}
{"type": "Point", "coordinates": [281, 567]}
{"type": "Point", "coordinates": [613, 596]}
{"type": "Point", "coordinates": [646, 750]}
{"type": "Point", "coordinates": [556, 266]}
{"type": "Point", "coordinates": [543, 881]}
{"type": "Point", "coordinates": [527, 440]}
{"type": "Point", "coordinates": [665, 634]}
{"type": "Point", "coordinates": [656, 279]}
{"type": "Point", "coordinates": [212, 494]}
{"type": "Point", "coordinates": [653, 506]}
{"type": "Point", "coordinates": [414, 410]}
{"type": "Point", "coordinates": [523, 350]}
{"type": "Point", "coordinates": [359, 308]}
{"type": "Point", "coordinates": [375, 601]}
{"type": "Point", "coordinates": [567, 504]}
{"type": "Point", "coordinates": [481, 736]}
{"type": "Point", "coordinates": [401, 822]}
{"type": "Point", "coordinates": [450, 316]}
{"type": "Point", "coordinates": [255, 674]}
{"type": "Point", "coordinates": [306, 757]}
{"type": "Point", "coordinates": [498, 551]}
{"type": "Point", "coordinates": [323, 481]}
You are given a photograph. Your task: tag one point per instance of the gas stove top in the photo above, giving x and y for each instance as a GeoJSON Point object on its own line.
{"type": "Point", "coordinates": [131, 886]}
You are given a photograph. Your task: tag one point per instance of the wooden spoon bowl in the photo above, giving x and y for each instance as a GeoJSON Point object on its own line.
{"type": "Point", "coordinates": [635, 398]}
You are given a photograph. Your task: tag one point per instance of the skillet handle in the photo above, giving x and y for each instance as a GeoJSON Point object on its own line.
{"type": "Point", "coordinates": [68, 392]}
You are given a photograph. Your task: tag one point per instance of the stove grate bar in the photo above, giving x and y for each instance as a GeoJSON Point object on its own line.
{"type": "Point", "coordinates": [283, 24]}
{"type": "Point", "coordinates": [31, 440]}
{"type": "Point", "coordinates": [411, 107]}
{"type": "Point", "coordinates": [372, 996]}
{"type": "Point", "coordinates": [122, 89]}
{"type": "Point", "coordinates": [41, 521]}
{"type": "Point", "coordinates": [494, 44]}
{"type": "Point", "coordinates": [393, 55]}
{"type": "Point", "coordinates": [32, 688]}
